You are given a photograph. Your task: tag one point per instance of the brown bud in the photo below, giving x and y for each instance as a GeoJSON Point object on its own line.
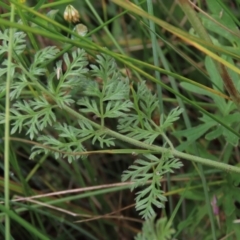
{"type": "Point", "coordinates": [71, 14]}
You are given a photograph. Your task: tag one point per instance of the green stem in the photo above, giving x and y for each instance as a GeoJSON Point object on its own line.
{"type": "Point", "coordinates": [155, 148]}
{"type": "Point", "coordinates": [7, 129]}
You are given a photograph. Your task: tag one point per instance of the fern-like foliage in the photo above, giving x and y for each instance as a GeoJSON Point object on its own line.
{"type": "Point", "coordinates": [109, 96]}
{"type": "Point", "coordinates": [36, 115]}
{"type": "Point", "coordinates": [150, 169]}
{"type": "Point", "coordinates": [19, 41]}
{"type": "Point", "coordinates": [19, 45]}
{"type": "Point", "coordinates": [69, 142]}
{"type": "Point", "coordinates": [37, 68]}
{"type": "Point", "coordinates": [161, 230]}
{"type": "Point", "coordinates": [76, 71]}
{"type": "Point", "coordinates": [38, 96]}
{"type": "Point", "coordinates": [139, 125]}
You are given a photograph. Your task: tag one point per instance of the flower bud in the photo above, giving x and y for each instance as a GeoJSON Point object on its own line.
{"type": "Point", "coordinates": [81, 29]}
{"type": "Point", "coordinates": [71, 14]}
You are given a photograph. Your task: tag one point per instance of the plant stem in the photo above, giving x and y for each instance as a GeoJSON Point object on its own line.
{"type": "Point", "coordinates": [7, 129]}
{"type": "Point", "coordinates": [155, 148]}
